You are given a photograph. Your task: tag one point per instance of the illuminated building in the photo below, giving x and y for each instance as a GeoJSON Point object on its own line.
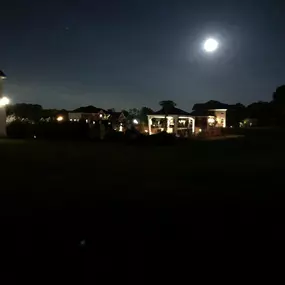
{"type": "Point", "coordinates": [174, 121]}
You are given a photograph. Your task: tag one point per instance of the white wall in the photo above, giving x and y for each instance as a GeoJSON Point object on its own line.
{"type": "Point", "coordinates": [221, 116]}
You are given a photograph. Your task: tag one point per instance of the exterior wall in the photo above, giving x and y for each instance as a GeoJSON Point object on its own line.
{"type": "Point", "coordinates": [87, 116]}
{"type": "Point", "coordinates": [2, 113]}
{"type": "Point", "coordinates": [221, 117]}
{"type": "Point", "coordinates": [219, 114]}
{"type": "Point", "coordinates": [74, 116]}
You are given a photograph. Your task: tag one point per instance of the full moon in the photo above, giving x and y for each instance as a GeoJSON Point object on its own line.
{"type": "Point", "coordinates": [211, 45]}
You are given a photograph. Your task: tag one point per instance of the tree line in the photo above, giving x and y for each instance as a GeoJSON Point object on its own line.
{"type": "Point", "coordinates": [265, 113]}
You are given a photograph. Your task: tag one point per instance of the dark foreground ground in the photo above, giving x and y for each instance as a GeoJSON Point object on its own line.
{"type": "Point", "coordinates": [95, 212]}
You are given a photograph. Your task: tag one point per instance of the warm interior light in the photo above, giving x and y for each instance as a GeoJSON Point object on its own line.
{"type": "Point", "coordinates": [59, 118]}
{"type": "Point", "coordinates": [211, 120]}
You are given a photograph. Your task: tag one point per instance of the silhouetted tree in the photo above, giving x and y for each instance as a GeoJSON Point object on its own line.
{"type": "Point", "coordinates": [279, 95]}
{"type": "Point", "coordinates": [262, 111]}
{"type": "Point", "coordinates": [167, 105]}
{"type": "Point", "coordinates": [133, 113]}
{"type": "Point", "coordinates": [236, 114]}
{"type": "Point", "coordinates": [143, 114]}
{"type": "Point", "coordinates": [32, 112]}
{"type": "Point", "coordinates": [278, 104]}
{"type": "Point", "coordinates": [126, 113]}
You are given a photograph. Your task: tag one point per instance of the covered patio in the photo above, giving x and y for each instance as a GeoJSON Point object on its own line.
{"type": "Point", "coordinates": [177, 122]}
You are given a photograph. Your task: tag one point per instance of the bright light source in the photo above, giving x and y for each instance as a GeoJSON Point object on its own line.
{"type": "Point", "coordinates": [59, 118]}
{"type": "Point", "coordinates": [4, 101]}
{"type": "Point", "coordinates": [211, 45]}
{"type": "Point", "coordinates": [211, 120]}
{"type": "Point", "coordinates": [135, 121]}
{"type": "Point", "coordinates": [101, 115]}
{"type": "Point", "coordinates": [200, 130]}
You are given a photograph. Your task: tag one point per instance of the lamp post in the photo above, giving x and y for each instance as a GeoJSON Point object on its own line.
{"type": "Point", "coordinates": [3, 102]}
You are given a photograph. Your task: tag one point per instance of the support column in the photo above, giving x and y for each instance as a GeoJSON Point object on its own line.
{"type": "Point", "coordinates": [175, 119]}
{"type": "Point", "coordinates": [193, 125]}
{"type": "Point", "coordinates": [149, 124]}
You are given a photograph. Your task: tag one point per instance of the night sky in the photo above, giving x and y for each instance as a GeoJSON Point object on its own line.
{"type": "Point", "coordinates": [133, 53]}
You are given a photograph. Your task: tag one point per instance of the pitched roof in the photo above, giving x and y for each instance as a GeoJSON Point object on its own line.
{"type": "Point", "coordinates": [2, 74]}
{"type": "Point", "coordinates": [210, 105]}
{"type": "Point", "coordinates": [88, 109]}
{"type": "Point", "coordinates": [202, 113]}
{"type": "Point", "coordinates": [172, 111]}
{"type": "Point", "coordinates": [116, 115]}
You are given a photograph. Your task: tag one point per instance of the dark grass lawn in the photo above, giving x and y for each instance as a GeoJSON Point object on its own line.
{"type": "Point", "coordinates": [134, 206]}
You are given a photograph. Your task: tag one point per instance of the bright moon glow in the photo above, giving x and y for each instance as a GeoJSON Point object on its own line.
{"type": "Point", "coordinates": [211, 45]}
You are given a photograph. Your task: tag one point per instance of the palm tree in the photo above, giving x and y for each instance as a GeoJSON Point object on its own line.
{"type": "Point", "coordinates": [167, 106]}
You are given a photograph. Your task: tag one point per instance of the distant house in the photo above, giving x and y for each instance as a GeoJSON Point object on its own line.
{"type": "Point", "coordinates": [92, 114]}
{"type": "Point", "coordinates": [118, 120]}
{"type": "Point", "coordinates": [210, 114]}
{"type": "Point", "coordinates": [89, 114]}
{"type": "Point", "coordinates": [117, 116]}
